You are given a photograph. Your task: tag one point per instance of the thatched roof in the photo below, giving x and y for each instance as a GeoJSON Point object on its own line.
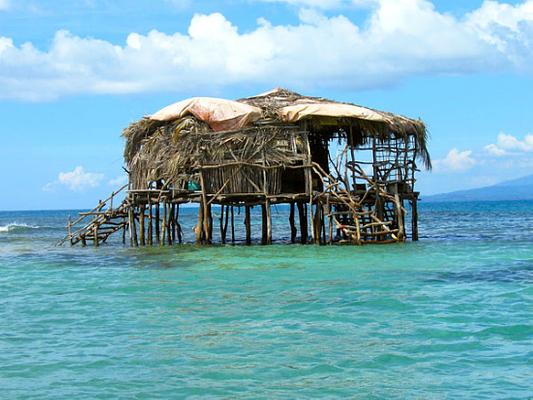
{"type": "Point", "coordinates": [158, 134]}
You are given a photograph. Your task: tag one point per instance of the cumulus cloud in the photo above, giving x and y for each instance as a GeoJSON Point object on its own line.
{"type": "Point", "coordinates": [455, 161]}
{"type": "Point", "coordinates": [4, 5]}
{"type": "Point", "coordinates": [324, 4]}
{"type": "Point", "coordinates": [509, 144]}
{"type": "Point", "coordinates": [401, 38]}
{"type": "Point", "coordinates": [77, 180]}
{"type": "Point", "coordinates": [118, 181]}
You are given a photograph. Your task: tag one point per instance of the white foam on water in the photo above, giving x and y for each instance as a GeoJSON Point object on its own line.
{"type": "Point", "coordinates": [15, 226]}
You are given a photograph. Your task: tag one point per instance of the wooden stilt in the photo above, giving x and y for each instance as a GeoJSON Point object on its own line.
{"type": "Point", "coordinates": [247, 223]}
{"type": "Point", "coordinates": [150, 224]}
{"type": "Point", "coordinates": [169, 223]}
{"type": "Point", "coordinates": [264, 227]}
{"type": "Point", "coordinates": [95, 233]}
{"type": "Point", "coordinates": [157, 230]}
{"type": "Point", "coordinates": [302, 216]}
{"type": "Point", "coordinates": [173, 222]}
{"type": "Point", "coordinates": [232, 225]}
{"type": "Point", "coordinates": [164, 225]}
{"type": "Point", "coordinates": [130, 224]}
{"type": "Point", "coordinates": [209, 238]}
{"type": "Point", "coordinates": [178, 225]}
{"type": "Point", "coordinates": [226, 219]}
{"type": "Point", "coordinates": [330, 223]}
{"type": "Point", "coordinates": [317, 228]}
{"type": "Point", "coordinates": [141, 225]}
{"type": "Point", "coordinates": [268, 223]}
{"type": "Point", "coordinates": [414, 219]}
{"type": "Point", "coordinates": [221, 222]}
{"type": "Point", "coordinates": [292, 225]}
{"type": "Point", "coordinates": [198, 230]}
{"type": "Point", "coordinates": [123, 231]}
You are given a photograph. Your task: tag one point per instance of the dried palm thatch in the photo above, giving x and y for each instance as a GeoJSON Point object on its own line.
{"type": "Point", "coordinates": [174, 150]}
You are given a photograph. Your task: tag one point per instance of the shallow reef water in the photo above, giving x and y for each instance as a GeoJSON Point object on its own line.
{"type": "Point", "coordinates": [447, 317]}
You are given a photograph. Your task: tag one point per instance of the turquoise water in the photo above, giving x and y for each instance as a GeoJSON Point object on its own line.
{"type": "Point", "coordinates": [445, 318]}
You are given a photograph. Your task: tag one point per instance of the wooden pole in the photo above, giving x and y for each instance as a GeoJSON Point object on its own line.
{"type": "Point", "coordinates": [198, 230]}
{"type": "Point", "coordinates": [268, 223]}
{"type": "Point", "coordinates": [247, 224]}
{"type": "Point", "coordinates": [221, 223]}
{"type": "Point", "coordinates": [141, 226]}
{"type": "Point", "coordinates": [95, 233]}
{"type": "Point", "coordinates": [157, 231]}
{"type": "Point", "coordinates": [124, 230]}
{"type": "Point", "coordinates": [302, 216]}
{"type": "Point", "coordinates": [264, 228]}
{"type": "Point", "coordinates": [164, 225]}
{"type": "Point", "coordinates": [232, 226]}
{"type": "Point", "coordinates": [225, 224]}
{"type": "Point", "coordinates": [414, 219]}
{"type": "Point", "coordinates": [130, 224]}
{"type": "Point", "coordinates": [316, 223]}
{"type": "Point", "coordinates": [330, 223]}
{"type": "Point", "coordinates": [150, 224]}
{"type": "Point", "coordinates": [170, 217]}
{"type": "Point", "coordinates": [205, 206]}
{"type": "Point", "coordinates": [178, 225]}
{"type": "Point", "coordinates": [292, 225]}
{"type": "Point", "coordinates": [173, 221]}
{"type": "Point", "coordinates": [210, 224]}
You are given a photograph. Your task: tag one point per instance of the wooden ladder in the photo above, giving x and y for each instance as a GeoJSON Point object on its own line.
{"type": "Point", "coordinates": [98, 224]}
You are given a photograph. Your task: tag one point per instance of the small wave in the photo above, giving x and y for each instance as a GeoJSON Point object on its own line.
{"type": "Point", "coordinates": [17, 227]}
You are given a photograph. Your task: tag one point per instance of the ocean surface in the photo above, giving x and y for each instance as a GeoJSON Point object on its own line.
{"type": "Point", "coordinates": [449, 317]}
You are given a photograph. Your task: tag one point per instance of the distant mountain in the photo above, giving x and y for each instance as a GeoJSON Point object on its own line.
{"type": "Point", "coordinates": [516, 189]}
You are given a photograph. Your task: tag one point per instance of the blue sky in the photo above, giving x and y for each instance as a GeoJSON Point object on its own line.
{"type": "Point", "coordinates": [74, 73]}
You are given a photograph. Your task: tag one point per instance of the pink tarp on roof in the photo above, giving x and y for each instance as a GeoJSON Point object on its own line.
{"type": "Point", "coordinates": [219, 114]}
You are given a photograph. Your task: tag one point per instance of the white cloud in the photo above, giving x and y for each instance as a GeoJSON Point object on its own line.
{"type": "Point", "coordinates": [509, 144]}
{"type": "Point", "coordinates": [401, 38]}
{"type": "Point", "coordinates": [77, 180]}
{"type": "Point", "coordinates": [455, 161]}
{"type": "Point", "coordinates": [494, 150]}
{"type": "Point", "coordinates": [4, 5]}
{"type": "Point", "coordinates": [324, 4]}
{"type": "Point", "coordinates": [118, 181]}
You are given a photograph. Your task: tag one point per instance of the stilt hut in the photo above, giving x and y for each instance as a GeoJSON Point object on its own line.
{"type": "Point", "coordinates": [346, 172]}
